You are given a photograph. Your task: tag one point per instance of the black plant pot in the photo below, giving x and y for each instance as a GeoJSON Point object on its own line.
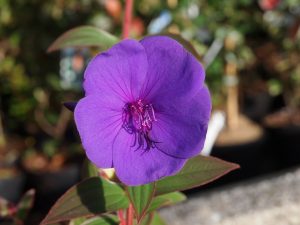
{"type": "Point", "coordinates": [285, 144]}
{"type": "Point", "coordinates": [258, 106]}
{"type": "Point", "coordinates": [11, 187]}
{"type": "Point", "coordinates": [250, 156]}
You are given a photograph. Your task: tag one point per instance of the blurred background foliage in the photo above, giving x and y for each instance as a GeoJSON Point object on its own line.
{"type": "Point", "coordinates": [260, 37]}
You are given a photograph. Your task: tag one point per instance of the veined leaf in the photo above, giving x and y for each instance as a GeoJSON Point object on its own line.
{"type": "Point", "coordinates": [165, 200]}
{"type": "Point", "coordinates": [91, 197]}
{"type": "Point", "coordinates": [153, 219]}
{"type": "Point", "coordinates": [141, 197]}
{"type": "Point", "coordinates": [84, 36]}
{"type": "Point", "coordinates": [157, 220]}
{"type": "Point", "coordinates": [197, 171]}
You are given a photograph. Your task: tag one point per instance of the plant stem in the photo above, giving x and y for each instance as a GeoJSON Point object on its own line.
{"type": "Point", "coordinates": [129, 215]}
{"type": "Point", "coordinates": [127, 18]}
{"type": "Point", "coordinates": [121, 217]}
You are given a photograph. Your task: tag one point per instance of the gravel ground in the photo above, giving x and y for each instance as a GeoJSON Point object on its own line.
{"type": "Point", "coordinates": [272, 200]}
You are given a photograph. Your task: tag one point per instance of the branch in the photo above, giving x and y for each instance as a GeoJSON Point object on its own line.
{"type": "Point", "coordinates": [127, 18]}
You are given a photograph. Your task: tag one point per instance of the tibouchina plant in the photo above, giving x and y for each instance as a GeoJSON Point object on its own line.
{"type": "Point", "coordinates": [145, 114]}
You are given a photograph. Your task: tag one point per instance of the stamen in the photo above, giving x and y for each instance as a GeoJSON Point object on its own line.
{"type": "Point", "coordinates": [137, 120]}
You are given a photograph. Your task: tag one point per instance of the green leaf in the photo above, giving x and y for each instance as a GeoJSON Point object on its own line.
{"type": "Point", "coordinates": [197, 171]}
{"type": "Point", "coordinates": [106, 219]}
{"type": "Point", "coordinates": [166, 200]}
{"type": "Point", "coordinates": [24, 205]}
{"type": "Point", "coordinates": [147, 219]}
{"type": "Point", "coordinates": [77, 221]}
{"type": "Point", "coordinates": [141, 197]}
{"type": "Point", "coordinates": [91, 197]}
{"type": "Point", "coordinates": [89, 170]}
{"type": "Point", "coordinates": [153, 219]}
{"type": "Point", "coordinates": [157, 220]}
{"type": "Point", "coordinates": [102, 220]}
{"type": "Point", "coordinates": [84, 36]}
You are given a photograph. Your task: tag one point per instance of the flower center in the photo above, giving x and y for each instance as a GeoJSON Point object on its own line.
{"type": "Point", "coordinates": [137, 119]}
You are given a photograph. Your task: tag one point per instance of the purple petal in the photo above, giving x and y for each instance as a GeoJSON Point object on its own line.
{"type": "Point", "coordinates": [119, 71]}
{"type": "Point", "coordinates": [181, 126]}
{"type": "Point", "coordinates": [98, 120]}
{"type": "Point", "coordinates": [137, 166]}
{"type": "Point", "coordinates": [172, 71]}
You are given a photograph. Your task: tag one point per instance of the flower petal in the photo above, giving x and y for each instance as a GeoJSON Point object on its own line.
{"type": "Point", "coordinates": [172, 70]}
{"type": "Point", "coordinates": [137, 166]}
{"type": "Point", "coordinates": [181, 126]}
{"type": "Point", "coordinates": [120, 71]}
{"type": "Point", "coordinates": [98, 120]}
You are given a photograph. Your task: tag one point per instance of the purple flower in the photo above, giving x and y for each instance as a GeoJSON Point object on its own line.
{"type": "Point", "coordinates": [145, 110]}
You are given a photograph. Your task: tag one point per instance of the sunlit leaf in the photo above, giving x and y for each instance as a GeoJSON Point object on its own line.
{"type": "Point", "coordinates": [153, 219]}
{"type": "Point", "coordinates": [77, 221]}
{"type": "Point", "coordinates": [157, 220]}
{"type": "Point", "coordinates": [102, 220]}
{"type": "Point", "coordinates": [91, 197]}
{"type": "Point", "coordinates": [197, 171]}
{"type": "Point", "coordinates": [84, 36]}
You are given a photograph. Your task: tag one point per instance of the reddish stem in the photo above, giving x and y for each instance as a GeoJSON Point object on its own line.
{"type": "Point", "coordinates": [129, 215]}
{"type": "Point", "coordinates": [121, 217]}
{"type": "Point", "coordinates": [127, 18]}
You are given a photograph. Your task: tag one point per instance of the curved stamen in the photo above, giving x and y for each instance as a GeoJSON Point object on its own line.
{"type": "Point", "coordinates": [137, 119]}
